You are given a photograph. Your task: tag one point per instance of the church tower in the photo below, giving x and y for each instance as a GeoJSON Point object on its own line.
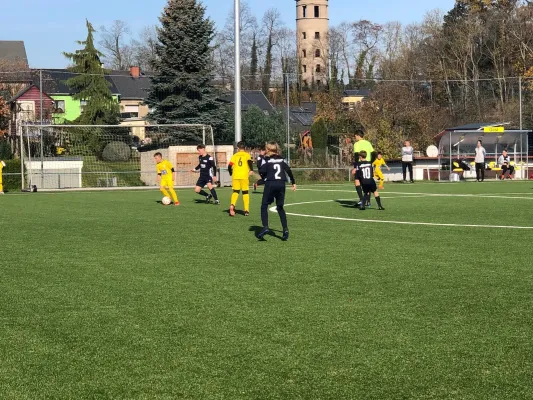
{"type": "Point", "coordinates": [312, 27]}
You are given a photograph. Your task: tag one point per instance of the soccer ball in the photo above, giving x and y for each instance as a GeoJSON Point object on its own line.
{"type": "Point", "coordinates": [166, 200]}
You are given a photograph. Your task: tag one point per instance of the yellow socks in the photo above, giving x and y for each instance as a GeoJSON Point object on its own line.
{"type": "Point", "coordinates": [234, 198]}
{"type": "Point", "coordinates": [173, 194]}
{"type": "Point", "coordinates": [246, 200]}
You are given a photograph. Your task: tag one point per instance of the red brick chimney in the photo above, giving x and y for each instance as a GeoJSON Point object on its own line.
{"type": "Point", "coordinates": [135, 72]}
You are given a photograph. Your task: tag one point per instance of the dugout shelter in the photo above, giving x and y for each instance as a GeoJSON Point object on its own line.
{"type": "Point", "coordinates": [457, 148]}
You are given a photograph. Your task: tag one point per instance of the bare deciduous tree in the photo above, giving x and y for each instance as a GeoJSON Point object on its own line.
{"type": "Point", "coordinates": [271, 24]}
{"type": "Point", "coordinates": [144, 49]}
{"type": "Point", "coordinates": [224, 56]}
{"type": "Point", "coordinates": [118, 54]}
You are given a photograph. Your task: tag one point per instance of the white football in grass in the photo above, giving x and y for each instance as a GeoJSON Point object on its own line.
{"type": "Point", "coordinates": [166, 200]}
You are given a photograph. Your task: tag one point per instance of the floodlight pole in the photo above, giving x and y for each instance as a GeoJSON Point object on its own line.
{"type": "Point", "coordinates": [238, 132]}
{"type": "Point", "coordinates": [287, 88]}
{"type": "Point", "coordinates": [22, 156]}
{"type": "Point", "coordinates": [450, 178]}
{"type": "Point", "coordinates": [520, 98]}
{"type": "Point", "coordinates": [527, 156]}
{"type": "Point", "coordinates": [41, 124]}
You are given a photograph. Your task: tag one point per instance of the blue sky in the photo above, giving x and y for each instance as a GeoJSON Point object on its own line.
{"type": "Point", "coordinates": [50, 27]}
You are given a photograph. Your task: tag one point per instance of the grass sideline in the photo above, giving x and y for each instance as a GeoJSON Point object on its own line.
{"type": "Point", "coordinates": [111, 295]}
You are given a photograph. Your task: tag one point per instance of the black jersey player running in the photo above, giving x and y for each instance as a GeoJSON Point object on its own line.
{"type": "Point", "coordinates": [275, 170]}
{"type": "Point", "coordinates": [365, 175]}
{"type": "Point", "coordinates": [208, 175]}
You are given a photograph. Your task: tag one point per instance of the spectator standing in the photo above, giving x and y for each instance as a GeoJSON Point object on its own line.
{"type": "Point", "coordinates": [480, 161]}
{"type": "Point", "coordinates": [407, 161]}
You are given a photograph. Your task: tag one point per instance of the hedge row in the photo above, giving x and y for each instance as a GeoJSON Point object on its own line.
{"type": "Point", "coordinates": [11, 176]}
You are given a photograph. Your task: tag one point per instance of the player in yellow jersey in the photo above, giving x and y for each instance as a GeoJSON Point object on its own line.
{"type": "Point", "coordinates": [2, 165]}
{"type": "Point", "coordinates": [166, 177]}
{"type": "Point", "coordinates": [377, 164]}
{"type": "Point", "coordinates": [240, 168]}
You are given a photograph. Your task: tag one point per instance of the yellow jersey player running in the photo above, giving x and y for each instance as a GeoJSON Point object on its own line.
{"type": "Point", "coordinates": [2, 165]}
{"type": "Point", "coordinates": [166, 177]}
{"type": "Point", "coordinates": [240, 168]}
{"type": "Point", "coordinates": [377, 164]}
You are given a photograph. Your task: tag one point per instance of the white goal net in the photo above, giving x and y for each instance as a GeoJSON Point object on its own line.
{"type": "Point", "coordinates": [107, 156]}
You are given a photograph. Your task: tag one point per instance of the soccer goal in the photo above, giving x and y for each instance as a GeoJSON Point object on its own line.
{"type": "Point", "coordinates": [108, 156]}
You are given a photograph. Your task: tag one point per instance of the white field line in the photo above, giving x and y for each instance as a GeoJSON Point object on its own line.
{"type": "Point", "coordinates": [345, 188]}
{"type": "Point", "coordinates": [424, 183]}
{"type": "Point", "coordinates": [413, 194]}
{"type": "Point", "coordinates": [273, 209]}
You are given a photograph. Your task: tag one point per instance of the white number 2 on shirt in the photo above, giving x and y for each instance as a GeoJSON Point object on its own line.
{"type": "Point", "coordinates": [277, 176]}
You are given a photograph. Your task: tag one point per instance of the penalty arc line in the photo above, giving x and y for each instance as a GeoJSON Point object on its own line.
{"type": "Point", "coordinates": [273, 209]}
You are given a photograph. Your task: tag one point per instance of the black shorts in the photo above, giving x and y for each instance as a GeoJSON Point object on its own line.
{"type": "Point", "coordinates": [274, 191]}
{"type": "Point", "coordinates": [204, 180]}
{"type": "Point", "coordinates": [369, 187]}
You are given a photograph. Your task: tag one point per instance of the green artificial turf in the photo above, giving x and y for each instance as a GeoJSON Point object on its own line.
{"type": "Point", "coordinates": [110, 295]}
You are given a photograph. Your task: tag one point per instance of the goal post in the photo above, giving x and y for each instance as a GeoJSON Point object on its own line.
{"type": "Point", "coordinates": [110, 156]}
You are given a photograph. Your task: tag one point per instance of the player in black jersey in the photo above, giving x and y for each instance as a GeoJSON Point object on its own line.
{"type": "Point", "coordinates": [365, 175]}
{"type": "Point", "coordinates": [275, 170]}
{"type": "Point", "coordinates": [260, 161]}
{"type": "Point", "coordinates": [208, 175]}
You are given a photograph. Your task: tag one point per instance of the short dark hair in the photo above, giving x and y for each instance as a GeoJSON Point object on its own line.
{"type": "Point", "coordinates": [359, 132]}
{"type": "Point", "coordinates": [200, 146]}
{"type": "Point", "coordinates": [241, 145]}
{"type": "Point", "coordinates": [362, 153]}
{"type": "Point", "coordinates": [379, 152]}
{"type": "Point", "coordinates": [158, 154]}
{"type": "Point", "coordinates": [480, 141]}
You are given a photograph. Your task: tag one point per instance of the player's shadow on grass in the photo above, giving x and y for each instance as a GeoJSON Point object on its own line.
{"type": "Point", "coordinates": [347, 203]}
{"type": "Point", "coordinates": [272, 233]}
{"type": "Point", "coordinates": [237, 212]}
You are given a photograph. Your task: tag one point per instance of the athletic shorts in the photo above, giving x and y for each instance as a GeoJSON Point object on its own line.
{"type": "Point", "coordinates": [369, 187]}
{"type": "Point", "coordinates": [378, 175]}
{"type": "Point", "coordinates": [166, 182]}
{"type": "Point", "coordinates": [202, 181]}
{"type": "Point", "coordinates": [240, 184]}
{"type": "Point", "coordinates": [274, 191]}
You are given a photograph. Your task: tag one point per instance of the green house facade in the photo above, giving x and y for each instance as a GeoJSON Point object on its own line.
{"type": "Point", "coordinates": [67, 109]}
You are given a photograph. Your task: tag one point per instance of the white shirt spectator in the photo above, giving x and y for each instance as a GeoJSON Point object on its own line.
{"type": "Point", "coordinates": [407, 154]}
{"type": "Point", "coordinates": [504, 160]}
{"type": "Point", "coordinates": [480, 155]}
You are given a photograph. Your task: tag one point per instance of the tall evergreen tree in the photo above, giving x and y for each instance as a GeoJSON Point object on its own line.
{"type": "Point", "coordinates": [91, 85]}
{"type": "Point", "coordinates": [268, 66]}
{"type": "Point", "coordinates": [253, 65]}
{"type": "Point", "coordinates": [182, 90]}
